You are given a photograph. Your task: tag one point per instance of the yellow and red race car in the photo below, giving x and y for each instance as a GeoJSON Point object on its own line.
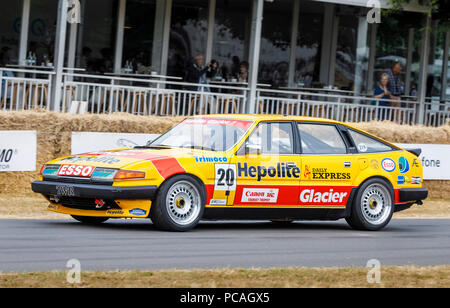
{"type": "Point", "coordinates": [277, 168]}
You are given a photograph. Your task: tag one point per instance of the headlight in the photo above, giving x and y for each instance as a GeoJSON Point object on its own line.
{"type": "Point", "coordinates": [103, 174]}
{"type": "Point", "coordinates": [50, 170]}
{"type": "Point", "coordinates": [129, 175]}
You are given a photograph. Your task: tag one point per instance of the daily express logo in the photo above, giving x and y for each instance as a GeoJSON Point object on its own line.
{"type": "Point", "coordinates": [281, 170]}
{"type": "Point", "coordinates": [324, 174]}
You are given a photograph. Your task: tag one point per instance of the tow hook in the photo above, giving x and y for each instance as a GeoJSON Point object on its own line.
{"type": "Point", "coordinates": [419, 202]}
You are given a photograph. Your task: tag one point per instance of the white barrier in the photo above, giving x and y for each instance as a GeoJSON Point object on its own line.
{"type": "Point", "coordinates": [435, 160]}
{"type": "Point", "coordinates": [17, 151]}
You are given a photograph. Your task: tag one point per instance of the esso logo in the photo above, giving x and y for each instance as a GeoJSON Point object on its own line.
{"type": "Point", "coordinates": [76, 170]}
{"type": "Point", "coordinates": [388, 165]}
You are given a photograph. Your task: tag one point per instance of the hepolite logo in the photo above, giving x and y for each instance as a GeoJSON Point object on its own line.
{"type": "Point", "coordinates": [281, 170]}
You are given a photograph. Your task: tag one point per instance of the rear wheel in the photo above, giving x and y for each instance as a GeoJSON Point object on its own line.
{"type": "Point", "coordinates": [373, 206]}
{"type": "Point", "coordinates": [179, 205]}
{"type": "Point", "coordinates": [90, 220]}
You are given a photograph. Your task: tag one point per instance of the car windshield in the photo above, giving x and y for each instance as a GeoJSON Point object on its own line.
{"type": "Point", "coordinates": [204, 134]}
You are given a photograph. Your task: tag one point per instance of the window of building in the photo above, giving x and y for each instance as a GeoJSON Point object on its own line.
{"type": "Point", "coordinates": [138, 34]}
{"type": "Point", "coordinates": [10, 32]}
{"type": "Point", "coordinates": [275, 43]}
{"type": "Point", "coordinates": [309, 41]}
{"type": "Point", "coordinates": [321, 139]}
{"type": "Point", "coordinates": [188, 34]}
{"type": "Point", "coordinates": [271, 138]}
{"type": "Point", "coordinates": [366, 144]}
{"type": "Point", "coordinates": [42, 29]}
{"type": "Point", "coordinates": [231, 36]}
{"type": "Point", "coordinates": [97, 35]}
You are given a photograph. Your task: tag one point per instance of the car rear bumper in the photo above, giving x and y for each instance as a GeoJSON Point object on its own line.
{"type": "Point", "coordinates": [94, 191]}
{"type": "Point", "coordinates": [412, 194]}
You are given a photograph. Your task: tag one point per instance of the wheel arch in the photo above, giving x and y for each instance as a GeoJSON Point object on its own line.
{"type": "Point", "coordinates": [191, 175]}
{"type": "Point", "coordinates": [355, 191]}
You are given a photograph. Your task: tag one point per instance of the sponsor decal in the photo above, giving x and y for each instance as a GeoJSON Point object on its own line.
{"type": "Point", "coordinates": [324, 174]}
{"type": "Point", "coordinates": [53, 207]}
{"type": "Point", "coordinates": [76, 171]}
{"type": "Point", "coordinates": [115, 212]}
{"type": "Point", "coordinates": [281, 170]}
{"type": "Point", "coordinates": [307, 173]}
{"type": "Point", "coordinates": [416, 180]}
{"type": "Point", "coordinates": [403, 165]}
{"type": "Point", "coordinates": [322, 195]}
{"type": "Point", "coordinates": [138, 212]}
{"type": "Point", "coordinates": [259, 195]}
{"type": "Point", "coordinates": [92, 159]}
{"type": "Point", "coordinates": [204, 159]}
{"type": "Point", "coordinates": [99, 203]}
{"type": "Point", "coordinates": [415, 163]}
{"type": "Point", "coordinates": [218, 202]}
{"type": "Point", "coordinates": [401, 180]}
{"type": "Point", "coordinates": [388, 165]}
{"type": "Point", "coordinates": [362, 147]}
{"type": "Point", "coordinates": [6, 155]}
{"type": "Point", "coordinates": [222, 122]}
{"type": "Point", "coordinates": [374, 164]}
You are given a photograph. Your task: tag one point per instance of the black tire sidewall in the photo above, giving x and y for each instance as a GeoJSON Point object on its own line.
{"type": "Point", "coordinates": [358, 218]}
{"type": "Point", "coordinates": [159, 212]}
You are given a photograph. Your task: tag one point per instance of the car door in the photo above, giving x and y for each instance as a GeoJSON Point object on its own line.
{"type": "Point", "coordinates": [267, 167]}
{"type": "Point", "coordinates": [328, 167]}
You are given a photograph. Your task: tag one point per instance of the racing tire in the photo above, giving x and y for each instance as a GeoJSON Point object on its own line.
{"type": "Point", "coordinates": [179, 205]}
{"type": "Point", "coordinates": [373, 206]}
{"type": "Point", "coordinates": [90, 220]}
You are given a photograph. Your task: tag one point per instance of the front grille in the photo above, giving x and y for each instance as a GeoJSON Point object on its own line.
{"type": "Point", "coordinates": [74, 180]}
{"type": "Point", "coordinates": [87, 204]}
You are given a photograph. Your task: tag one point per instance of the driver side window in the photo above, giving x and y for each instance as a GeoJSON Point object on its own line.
{"type": "Point", "coordinates": [270, 138]}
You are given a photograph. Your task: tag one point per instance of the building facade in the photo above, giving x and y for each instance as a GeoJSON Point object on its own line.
{"type": "Point", "coordinates": [312, 43]}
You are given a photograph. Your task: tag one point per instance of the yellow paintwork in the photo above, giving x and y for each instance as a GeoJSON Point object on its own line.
{"type": "Point", "coordinates": [363, 166]}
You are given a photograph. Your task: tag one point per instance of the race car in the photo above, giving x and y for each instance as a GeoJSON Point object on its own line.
{"type": "Point", "coordinates": [251, 167]}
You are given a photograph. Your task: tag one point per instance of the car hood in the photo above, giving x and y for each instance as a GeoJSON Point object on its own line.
{"type": "Point", "coordinates": [121, 158]}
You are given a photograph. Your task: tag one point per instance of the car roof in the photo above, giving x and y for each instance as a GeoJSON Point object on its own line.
{"type": "Point", "coordinates": [266, 117]}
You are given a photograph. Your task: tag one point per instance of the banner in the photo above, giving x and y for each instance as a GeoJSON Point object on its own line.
{"type": "Point", "coordinates": [435, 160]}
{"type": "Point", "coordinates": [83, 142]}
{"type": "Point", "coordinates": [17, 151]}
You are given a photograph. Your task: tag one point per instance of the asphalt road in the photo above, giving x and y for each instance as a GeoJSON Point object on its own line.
{"type": "Point", "coordinates": [42, 245]}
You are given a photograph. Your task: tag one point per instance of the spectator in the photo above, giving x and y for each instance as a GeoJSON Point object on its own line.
{"type": "Point", "coordinates": [213, 69]}
{"type": "Point", "coordinates": [243, 72]}
{"type": "Point", "coordinates": [381, 93]}
{"type": "Point", "coordinates": [196, 73]}
{"type": "Point", "coordinates": [395, 85]}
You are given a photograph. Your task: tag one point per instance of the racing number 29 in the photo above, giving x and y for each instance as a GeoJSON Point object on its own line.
{"type": "Point", "coordinates": [225, 177]}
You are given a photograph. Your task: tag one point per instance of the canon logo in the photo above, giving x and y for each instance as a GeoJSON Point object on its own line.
{"type": "Point", "coordinates": [311, 196]}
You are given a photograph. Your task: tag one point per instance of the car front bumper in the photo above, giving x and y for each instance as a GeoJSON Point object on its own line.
{"type": "Point", "coordinates": [412, 194]}
{"type": "Point", "coordinates": [94, 191]}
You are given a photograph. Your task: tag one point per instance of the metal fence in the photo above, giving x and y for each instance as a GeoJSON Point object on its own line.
{"type": "Point", "coordinates": [25, 90]}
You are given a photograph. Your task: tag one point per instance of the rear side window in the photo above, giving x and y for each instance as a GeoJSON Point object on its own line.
{"type": "Point", "coordinates": [321, 139]}
{"type": "Point", "coordinates": [366, 144]}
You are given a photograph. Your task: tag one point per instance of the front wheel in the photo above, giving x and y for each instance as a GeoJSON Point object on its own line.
{"type": "Point", "coordinates": [373, 206]}
{"type": "Point", "coordinates": [90, 220]}
{"type": "Point", "coordinates": [179, 205]}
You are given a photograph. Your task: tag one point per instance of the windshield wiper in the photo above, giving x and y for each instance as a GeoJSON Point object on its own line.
{"type": "Point", "coordinates": [157, 147]}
